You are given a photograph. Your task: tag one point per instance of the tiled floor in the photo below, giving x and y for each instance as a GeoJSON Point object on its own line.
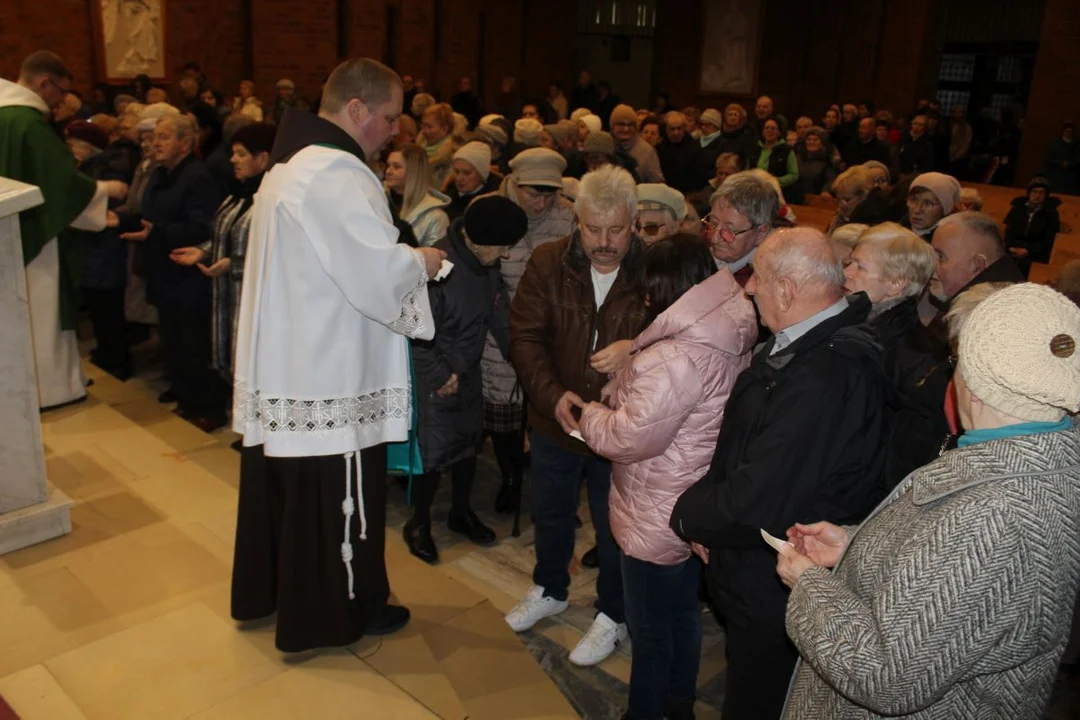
{"type": "Point", "coordinates": [128, 616]}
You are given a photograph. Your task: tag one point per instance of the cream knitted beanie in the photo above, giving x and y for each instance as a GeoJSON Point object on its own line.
{"type": "Point", "coordinates": [478, 155]}
{"type": "Point", "coordinates": [1019, 353]}
{"type": "Point", "coordinates": [527, 132]}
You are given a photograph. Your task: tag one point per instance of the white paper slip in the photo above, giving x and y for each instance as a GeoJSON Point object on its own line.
{"type": "Point", "coordinates": [576, 435]}
{"type": "Point", "coordinates": [774, 542]}
{"type": "Point", "coordinates": [444, 269]}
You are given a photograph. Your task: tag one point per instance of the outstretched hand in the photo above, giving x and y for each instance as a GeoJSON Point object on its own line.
{"type": "Point", "coordinates": [141, 235]}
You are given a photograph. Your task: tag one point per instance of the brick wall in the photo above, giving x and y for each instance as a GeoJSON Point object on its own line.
{"type": "Point", "coordinates": [62, 26]}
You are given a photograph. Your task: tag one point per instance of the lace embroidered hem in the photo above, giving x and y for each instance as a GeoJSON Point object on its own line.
{"type": "Point", "coordinates": [410, 322]}
{"type": "Point", "coordinates": [313, 416]}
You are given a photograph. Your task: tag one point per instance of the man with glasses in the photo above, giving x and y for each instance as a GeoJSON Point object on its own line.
{"type": "Point", "coordinates": [741, 215]}
{"type": "Point", "coordinates": [330, 299]}
{"type": "Point", "coordinates": [31, 152]}
{"type": "Point", "coordinates": [625, 131]}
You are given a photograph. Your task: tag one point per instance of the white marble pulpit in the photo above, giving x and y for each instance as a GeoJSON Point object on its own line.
{"type": "Point", "coordinates": [31, 510]}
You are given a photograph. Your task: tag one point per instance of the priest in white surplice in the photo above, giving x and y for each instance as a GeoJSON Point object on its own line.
{"type": "Point", "coordinates": [31, 152]}
{"type": "Point", "coordinates": [322, 378]}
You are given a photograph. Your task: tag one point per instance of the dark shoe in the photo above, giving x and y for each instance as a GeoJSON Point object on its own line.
{"type": "Point", "coordinates": [470, 526]}
{"type": "Point", "coordinates": [421, 544]}
{"type": "Point", "coordinates": [209, 424]}
{"type": "Point", "coordinates": [168, 397]}
{"type": "Point", "coordinates": [394, 617]}
{"type": "Point", "coordinates": [679, 709]}
{"type": "Point", "coordinates": [237, 445]}
{"type": "Point", "coordinates": [507, 497]}
{"type": "Point", "coordinates": [591, 559]}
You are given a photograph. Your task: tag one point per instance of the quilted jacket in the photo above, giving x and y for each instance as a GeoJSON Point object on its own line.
{"type": "Point", "coordinates": [667, 406]}
{"type": "Point", "coordinates": [954, 598]}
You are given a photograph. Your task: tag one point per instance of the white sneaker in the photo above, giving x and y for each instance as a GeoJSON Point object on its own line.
{"type": "Point", "coordinates": [534, 608]}
{"type": "Point", "coordinates": [603, 637]}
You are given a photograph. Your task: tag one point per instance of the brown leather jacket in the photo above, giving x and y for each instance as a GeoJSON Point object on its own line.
{"type": "Point", "coordinates": [554, 320]}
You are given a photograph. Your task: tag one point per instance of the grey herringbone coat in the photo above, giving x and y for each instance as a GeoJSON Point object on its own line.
{"type": "Point", "coordinates": [954, 598]}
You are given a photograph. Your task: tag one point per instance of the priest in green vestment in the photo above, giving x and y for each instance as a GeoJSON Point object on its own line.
{"type": "Point", "coordinates": [32, 152]}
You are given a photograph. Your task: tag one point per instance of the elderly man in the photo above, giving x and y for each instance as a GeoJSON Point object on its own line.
{"type": "Point", "coordinates": [287, 97]}
{"type": "Point", "coordinates": [578, 298]}
{"type": "Point", "coordinates": [624, 130]}
{"type": "Point", "coordinates": [916, 148]}
{"type": "Point", "coordinates": [765, 110]}
{"type": "Point", "coordinates": [178, 208]}
{"type": "Point", "coordinates": [681, 156]}
{"type": "Point", "coordinates": [865, 146]}
{"type": "Point", "coordinates": [736, 136]}
{"type": "Point", "coordinates": [31, 152]}
{"type": "Point", "coordinates": [970, 251]}
{"type": "Point", "coordinates": [322, 370]}
{"type": "Point", "coordinates": [742, 212]}
{"type": "Point", "coordinates": [661, 210]}
{"type": "Point", "coordinates": [804, 433]}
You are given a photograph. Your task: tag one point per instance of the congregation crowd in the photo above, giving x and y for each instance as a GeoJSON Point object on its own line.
{"type": "Point", "coordinates": [633, 301]}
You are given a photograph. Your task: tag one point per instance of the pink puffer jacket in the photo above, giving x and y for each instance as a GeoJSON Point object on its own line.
{"type": "Point", "coordinates": [667, 405]}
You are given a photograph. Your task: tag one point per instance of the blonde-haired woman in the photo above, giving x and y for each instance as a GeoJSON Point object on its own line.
{"type": "Point", "coordinates": [408, 188]}
{"type": "Point", "coordinates": [436, 126]}
{"type": "Point", "coordinates": [892, 265]}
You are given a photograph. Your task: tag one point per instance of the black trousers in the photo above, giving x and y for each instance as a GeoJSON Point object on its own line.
{"type": "Point", "coordinates": [425, 486]}
{"type": "Point", "coordinates": [186, 346]}
{"type": "Point", "coordinates": [761, 660]}
{"type": "Point", "coordinates": [509, 450]}
{"type": "Point", "coordinates": [288, 558]}
{"type": "Point", "coordinates": [106, 307]}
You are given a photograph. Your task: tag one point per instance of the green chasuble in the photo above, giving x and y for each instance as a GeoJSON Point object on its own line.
{"type": "Point", "coordinates": [31, 152]}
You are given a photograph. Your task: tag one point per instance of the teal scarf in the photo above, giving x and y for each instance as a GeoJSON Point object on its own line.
{"type": "Point", "coordinates": [974, 437]}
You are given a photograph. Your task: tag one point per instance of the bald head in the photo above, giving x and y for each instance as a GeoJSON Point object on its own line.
{"type": "Point", "coordinates": [796, 276]}
{"type": "Point", "coordinates": [966, 244]}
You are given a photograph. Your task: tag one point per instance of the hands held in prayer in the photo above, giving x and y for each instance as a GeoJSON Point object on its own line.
{"type": "Point", "coordinates": [611, 359]}
{"type": "Point", "coordinates": [450, 388]}
{"type": "Point", "coordinates": [111, 219]}
{"type": "Point", "coordinates": [564, 411]}
{"type": "Point", "coordinates": [141, 235]}
{"type": "Point", "coordinates": [1018, 252]}
{"type": "Point", "coordinates": [822, 542]}
{"type": "Point", "coordinates": [219, 268]}
{"type": "Point", "coordinates": [701, 551]}
{"type": "Point", "coordinates": [187, 256]}
{"type": "Point", "coordinates": [432, 260]}
{"type": "Point", "coordinates": [116, 189]}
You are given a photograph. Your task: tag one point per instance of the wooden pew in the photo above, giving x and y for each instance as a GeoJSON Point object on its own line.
{"type": "Point", "coordinates": [1066, 248]}
{"type": "Point", "coordinates": [813, 216]}
{"type": "Point", "coordinates": [1043, 274]}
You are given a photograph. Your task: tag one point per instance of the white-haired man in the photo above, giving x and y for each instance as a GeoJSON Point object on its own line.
{"type": "Point", "coordinates": [805, 432]}
{"type": "Point", "coordinates": [576, 306]}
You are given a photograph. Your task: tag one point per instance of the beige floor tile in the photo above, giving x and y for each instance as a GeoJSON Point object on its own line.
{"type": "Point", "coordinates": [410, 664]}
{"type": "Point", "coordinates": [139, 451]}
{"type": "Point", "coordinates": [432, 596]}
{"type": "Point", "coordinates": [219, 460]}
{"type": "Point", "coordinates": [169, 667]}
{"type": "Point", "coordinates": [538, 701]}
{"type": "Point", "coordinates": [223, 525]}
{"type": "Point", "coordinates": [74, 427]}
{"type": "Point", "coordinates": [34, 694]}
{"type": "Point", "coordinates": [187, 493]}
{"type": "Point", "coordinates": [330, 686]}
{"type": "Point", "coordinates": [149, 572]}
{"type": "Point", "coordinates": [86, 473]}
{"type": "Point", "coordinates": [481, 655]}
{"type": "Point", "coordinates": [90, 532]}
{"type": "Point", "coordinates": [111, 391]}
{"type": "Point", "coordinates": [47, 614]}
{"type": "Point", "coordinates": [163, 424]}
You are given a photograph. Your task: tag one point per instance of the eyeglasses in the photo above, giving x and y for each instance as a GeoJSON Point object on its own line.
{"type": "Point", "coordinates": [623, 125]}
{"type": "Point", "coordinates": [925, 204]}
{"type": "Point", "coordinates": [649, 229]}
{"type": "Point", "coordinates": [729, 235]}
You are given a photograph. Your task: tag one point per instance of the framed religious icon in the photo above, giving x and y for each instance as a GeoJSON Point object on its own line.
{"type": "Point", "coordinates": [129, 39]}
{"type": "Point", "coordinates": [729, 53]}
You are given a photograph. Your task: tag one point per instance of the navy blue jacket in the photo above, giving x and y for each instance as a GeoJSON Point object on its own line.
{"type": "Point", "coordinates": [181, 204]}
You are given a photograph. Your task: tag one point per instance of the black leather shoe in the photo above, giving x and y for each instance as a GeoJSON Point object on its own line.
{"type": "Point", "coordinates": [470, 526]}
{"type": "Point", "coordinates": [393, 618]}
{"type": "Point", "coordinates": [591, 559]}
{"type": "Point", "coordinates": [421, 544]}
{"type": "Point", "coordinates": [168, 397]}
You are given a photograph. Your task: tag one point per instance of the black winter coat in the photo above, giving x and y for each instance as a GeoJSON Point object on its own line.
{"type": "Point", "coordinates": [466, 305]}
{"type": "Point", "coordinates": [816, 173]}
{"type": "Point", "coordinates": [180, 204]}
{"type": "Point", "coordinates": [803, 439]}
{"type": "Point", "coordinates": [742, 142]}
{"type": "Point", "coordinates": [1033, 231]}
{"type": "Point", "coordinates": [104, 260]}
{"type": "Point", "coordinates": [920, 368]}
{"type": "Point", "coordinates": [916, 155]}
{"type": "Point", "coordinates": [682, 164]}
{"type": "Point", "coordinates": [857, 152]}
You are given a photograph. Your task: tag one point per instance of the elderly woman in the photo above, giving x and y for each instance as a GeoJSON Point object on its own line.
{"type": "Point", "coordinates": [931, 197]}
{"type": "Point", "coordinates": [778, 159]}
{"type": "Point", "coordinates": [420, 103]}
{"type": "Point", "coordinates": [472, 177]}
{"type": "Point", "coordinates": [953, 598]}
{"type": "Point", "coordinates": [892, 265]}
{"type": "Point", "coordinates": [435, 125]}
{"type": "Point", "coordinates": [843, 240]}
{"type": "Point", "coordinates": [859, 201]}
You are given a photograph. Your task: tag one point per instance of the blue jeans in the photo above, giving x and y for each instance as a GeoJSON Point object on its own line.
{"type": "Point", "coordinates": [664, 618]}
{"type": "Point", "coordinates": [556, 483]}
